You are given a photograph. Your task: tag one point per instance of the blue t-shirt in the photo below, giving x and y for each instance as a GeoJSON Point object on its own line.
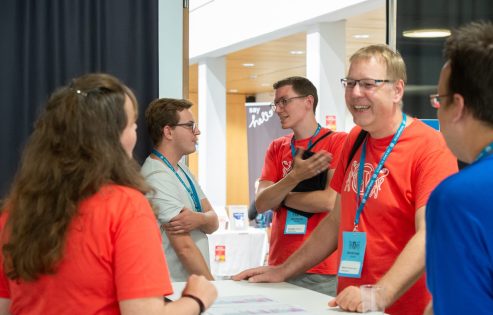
{"type": "Point", "coordinates": [459, 241]}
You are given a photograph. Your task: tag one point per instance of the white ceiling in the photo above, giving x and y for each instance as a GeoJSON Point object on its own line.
{"type": "Point", "coordinates": [273, 60]}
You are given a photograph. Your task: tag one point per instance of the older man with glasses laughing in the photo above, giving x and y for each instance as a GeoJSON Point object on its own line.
{"type": "Point", "coordinates": [389, 165]}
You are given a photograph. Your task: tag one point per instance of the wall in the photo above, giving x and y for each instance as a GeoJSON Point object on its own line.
{"type": "Point", "coordinates": [236, 148]}
{"type": "Point", "coordinates": [193, 159]}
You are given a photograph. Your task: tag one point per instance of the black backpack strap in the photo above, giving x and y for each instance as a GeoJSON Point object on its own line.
{"type": "Point", "coordinates": [359, 140]}
{"type": "Point", "coordinates": [314, 143]}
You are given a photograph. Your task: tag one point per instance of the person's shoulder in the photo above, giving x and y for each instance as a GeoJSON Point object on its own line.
{"type": "Point", "coordinates": [117, 205]}
{"type": "Point", "coordinates": [154, 171]}
{"type": "Point", "coordinates": [114, 192]}
{"type": "Point", "coordinates": [338, 135]}
{"type": "Point", "coordinates": [451, 183]}
{"type": "Point", "coordinates": [117, 197]}
{"type": "Point", "coordinates": [473, 177]}
{"type": "Point", "coordinates": [452, 194]}
{"type": "Point", "coordinates": [333, 139]}
{"type": "Point", "coordinates": [424, 137]}
{"type": "Point", "coordinates": [151, 166]}
{"type": "Point", "coordinates": [352, 134]}
{"type": "Point", "coordinates": [468, 183]}
{"type": "Point", "coordinates": [281, 141]}
{"type": "Point", "coordinates": [422, 132]}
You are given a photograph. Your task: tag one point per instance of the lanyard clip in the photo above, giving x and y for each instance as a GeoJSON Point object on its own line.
{"type": "Point", "coordinates": [355, 229]}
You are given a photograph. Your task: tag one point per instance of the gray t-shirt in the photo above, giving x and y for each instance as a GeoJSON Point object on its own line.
{"type": "Point", "coordinates": [170, 197]}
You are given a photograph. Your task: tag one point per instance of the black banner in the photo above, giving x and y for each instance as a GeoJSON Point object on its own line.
{"type": "Point", "coordinates": [263, 127]}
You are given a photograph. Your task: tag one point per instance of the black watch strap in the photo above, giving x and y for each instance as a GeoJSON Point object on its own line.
{"type": "Point", "coordinates": [199, 301]}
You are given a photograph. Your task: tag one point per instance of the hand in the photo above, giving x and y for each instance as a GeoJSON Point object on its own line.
{"type": "Point", "coordinates": [201, 288]}
{"type": "Point", "coordinates": [348, 300]}
{"type": "Point", "coordinates": [186, 221]}
{"type": "Point", "coordinates": [304, 169]}
{"type": "Point", "coordinates": [261, 274]}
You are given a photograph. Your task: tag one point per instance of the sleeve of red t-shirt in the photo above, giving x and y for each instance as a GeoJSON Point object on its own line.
{"type": "Point", "coordinates": [336, 144]}
{"type": "Point", "coordinates": [433, 167]}
{"type": "Point", "coordinates": [269, 171]}
{"type": "Point", "coordinates": [140, 265]}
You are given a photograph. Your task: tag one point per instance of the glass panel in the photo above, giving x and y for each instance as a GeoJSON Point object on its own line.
{"type": "Point", "coordinates": [423, 56]}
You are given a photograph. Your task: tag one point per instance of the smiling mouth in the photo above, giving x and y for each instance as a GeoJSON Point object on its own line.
{"type": "Point", "coordinates": [360, 108]}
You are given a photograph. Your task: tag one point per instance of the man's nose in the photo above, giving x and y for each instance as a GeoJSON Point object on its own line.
{"type": "Point", "coordinates": [357, 90]}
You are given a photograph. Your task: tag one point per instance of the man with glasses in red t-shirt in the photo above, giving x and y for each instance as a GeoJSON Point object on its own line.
{"type": "Point", "coordinates": [296, 187]}
{"type": "Point", "coordinates": [387, 170]}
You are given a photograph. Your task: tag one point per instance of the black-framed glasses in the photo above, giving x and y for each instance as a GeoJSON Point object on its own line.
{"type": "Point", "coordinates": [435, 101]}
{"type": "Point", "coordinates": [190, 125]}
{"type": "Point", "coordinates": [282, 102]}
{"type": "Point", "coordinates": [365, 84]}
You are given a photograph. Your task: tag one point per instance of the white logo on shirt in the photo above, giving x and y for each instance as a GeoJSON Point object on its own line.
{"type": "Point", "coordinates": [352, 179]}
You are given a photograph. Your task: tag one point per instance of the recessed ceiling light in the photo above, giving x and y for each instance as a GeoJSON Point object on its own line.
{"type": "Point", "coordinates": [265, 84]}
{"type": "Point", "coordinates": [361, 36]}
{"type": "Point", "coordinates": [296, 52]}
{"type": "Point", "coordinates": [233, 91]}
{"type": "Point", "coordinates": [248, 65]}
{"type": "Point", "coordinates": [427, 33]}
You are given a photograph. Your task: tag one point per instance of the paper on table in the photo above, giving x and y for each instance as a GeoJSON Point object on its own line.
{"type": "Point", "coordinates": [252, 304]}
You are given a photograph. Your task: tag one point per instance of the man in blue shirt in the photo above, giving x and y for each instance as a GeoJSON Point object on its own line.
{"type": "Point", "coordinates": [459, 214]}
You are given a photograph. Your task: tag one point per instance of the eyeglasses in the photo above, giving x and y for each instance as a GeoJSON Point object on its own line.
{"type": "Point", "coordinates": [435, 100]}
{"type": "Point", "coordinates": [282, 102]}
{"type": "Point", "coordinates": [190, 125]}
{"type": "Point", "coordinates": [365, 84]}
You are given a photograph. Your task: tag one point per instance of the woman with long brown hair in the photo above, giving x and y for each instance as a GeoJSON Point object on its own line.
{"type": "Point", "coordinates": [77, 234]}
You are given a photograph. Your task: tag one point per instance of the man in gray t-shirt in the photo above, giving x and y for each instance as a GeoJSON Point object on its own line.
{"type": "Point", "coordinates": [184, 213]}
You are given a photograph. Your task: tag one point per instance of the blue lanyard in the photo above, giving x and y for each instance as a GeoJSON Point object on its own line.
{"type": "Point", "coordinates": [293, 149]}
{"type": "Point", "coordinates": [191, 191]}
{"type": "Point", "coordinates": [375, 173]}
{"type": "Point", "coordinates": [485, 152]}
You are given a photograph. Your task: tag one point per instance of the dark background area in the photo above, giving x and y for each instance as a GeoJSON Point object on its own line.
{"type": "Point", "coordinates": [424, 57]}
{"type": "Point", "coordinates": [45, 43]}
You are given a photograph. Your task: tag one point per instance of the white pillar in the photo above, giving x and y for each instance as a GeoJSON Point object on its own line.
{"type": "Point", "coordinates": [170, 37]}
{"type": "Point", "coordinates": [325, 66]}
{"type": "Point", "coordinates": [212, 124]}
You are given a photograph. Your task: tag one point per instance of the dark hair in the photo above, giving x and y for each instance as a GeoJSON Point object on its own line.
{"type": "Point", "coordinates": [300, 85]}
{"type": "Point", "coordinates": [470, 52]}
{"type": "Point", "coordinates": [163, 112]}
{"type": "Point", "coordinates": [73, 151]}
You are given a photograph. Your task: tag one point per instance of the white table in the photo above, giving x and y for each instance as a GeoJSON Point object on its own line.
{"type": "Point", "coordinates": [313, 302]}
{"type": "Point", "coordinates": [243, 249]}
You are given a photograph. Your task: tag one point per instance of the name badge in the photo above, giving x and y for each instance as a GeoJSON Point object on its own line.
{"type": "Point", "coordinates": [353, 254]}
{"type": "Point", "coordinates": [295, 223]}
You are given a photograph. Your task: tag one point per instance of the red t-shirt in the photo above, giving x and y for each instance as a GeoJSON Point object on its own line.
{"type": "Point", "coordinates": [113, 253]}
{"type": "Point", "coordinates": [278, 160]}
{"type": "Point", "coordinates": [419, 161]}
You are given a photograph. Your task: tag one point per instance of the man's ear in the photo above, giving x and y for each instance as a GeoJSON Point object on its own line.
{"type": "Point", "coordinates": [457, 107]}
{"type": "Point", "coordinates": [398, 91]}
{"type": "Point", "coordinates": [309, 102]}
{"type": "Point", "coordinates": [168, 132]}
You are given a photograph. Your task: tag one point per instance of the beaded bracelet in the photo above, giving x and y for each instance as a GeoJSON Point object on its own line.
{"type": "Point", "coordinates": [199, 301]}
